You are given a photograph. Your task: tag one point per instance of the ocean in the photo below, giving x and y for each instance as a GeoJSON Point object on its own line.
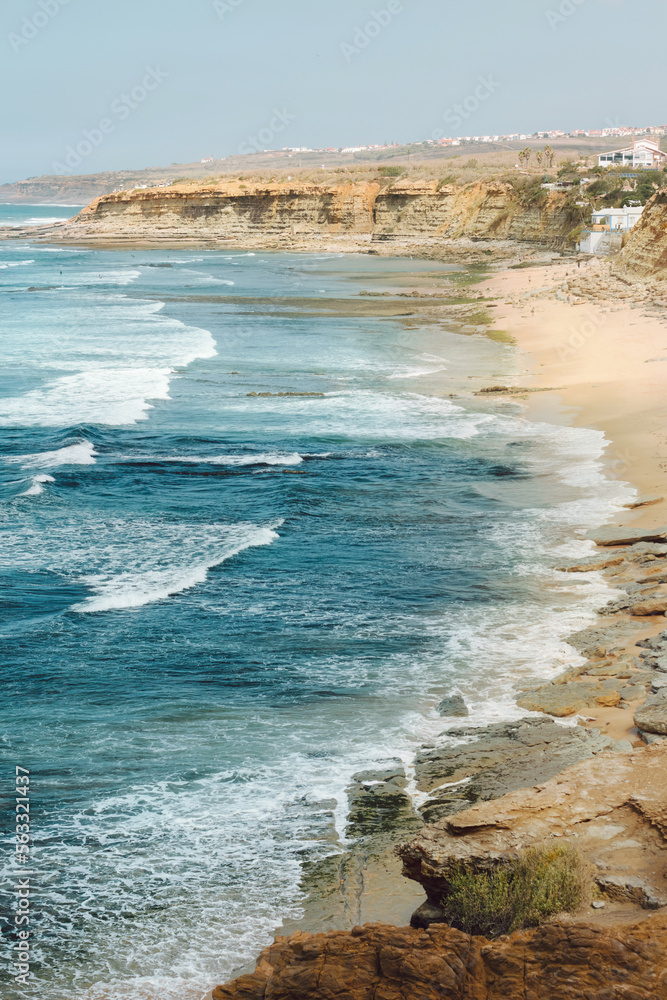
{"type": "Point", "coordinates": [217, 607]}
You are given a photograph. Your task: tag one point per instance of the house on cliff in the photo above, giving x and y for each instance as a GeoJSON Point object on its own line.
{"type": "Point", "coordinates": [607, 228]}
{"type": "Point", "coordinates": [643, 153]}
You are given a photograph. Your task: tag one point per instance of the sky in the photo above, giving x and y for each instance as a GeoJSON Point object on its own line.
{"type": "Point", "coordinates": [140, 83]}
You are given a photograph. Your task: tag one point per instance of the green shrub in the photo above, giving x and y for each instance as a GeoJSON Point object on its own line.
{"type": "Point", "coordinates": [447, 179]}
{"type": "Point", "coordinates": [391, 171]}
{"type": "Point", "coordinates": [524, 893]}
{"type": "Point", "coordinates": [479, 317]}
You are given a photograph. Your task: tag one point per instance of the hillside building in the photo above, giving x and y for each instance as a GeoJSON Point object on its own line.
{"type": "Point", "coordinates": [643, 153]}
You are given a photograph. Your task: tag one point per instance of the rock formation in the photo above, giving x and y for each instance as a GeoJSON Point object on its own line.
{"type": "Point", "coordinates": [284, 214]}
{"type": "Point", "coordinates": [645, 252]}
{"type": "Point", "coordinates": [613, 807]}
{"type": "Point", "coordinates": [475, 764]}
{"type": "Point", "coordinates": [376, 962]}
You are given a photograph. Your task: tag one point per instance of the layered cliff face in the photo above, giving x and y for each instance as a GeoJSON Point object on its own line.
{"type": "Point", "coordinates": [285, 214]}
{"type": "Point", "coordinates": [570, 962]}
{"type": "Point", "coordinates": [645, 253]}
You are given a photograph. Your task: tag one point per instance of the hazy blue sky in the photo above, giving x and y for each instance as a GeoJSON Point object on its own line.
{"type": "Point", "coordinates": [66, 65]}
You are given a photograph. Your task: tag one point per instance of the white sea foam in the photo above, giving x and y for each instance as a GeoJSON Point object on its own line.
{"type": "Point", "coordinates": [209, 279]}
{"type": "Point", "coordinates": [37, 249]}
{"type": "Point", "coordinates": [264, 458]}
{"type": "Point", "coordinates": [37, 486]}
{"type": "Point", "coordinates": [362, 414]}
{"type": "Point", "coordinates": [128, 563]}
{"type": "Point", "coordinates": [15, 263]}
{"type": "Point", "coordinates": [121, 354]}
{"type": "Point", "coordinates": [81, 453]}
{"type": "Point", "coordinates": [416, 372]}
{"type": "Point", "coordinates": [119, 397]}
{"type": "Point", "coordinates": [43, 221]}
{"type": "Point", "coordinates": [116, 276]}
{"type": "Point", "coordinates": [139, 586]}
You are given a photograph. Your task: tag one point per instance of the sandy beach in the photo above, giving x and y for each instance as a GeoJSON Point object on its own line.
{"type": "Point", "coordinates": [607, 363]}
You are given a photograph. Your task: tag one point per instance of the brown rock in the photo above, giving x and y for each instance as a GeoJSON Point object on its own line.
{"type": "Point", "coordinates": [562, 700]}
{"type": "Point", "coordinates": [613, 807]}
{"type": "Point", "coordinates": [609, 700]}
{"type": "Point", "coordinates": [652, 606]}
{"type": "Point", "coordinates": [378, 962]}
{"type": "Point", "coordinates": [651, 717]}
{"type": "Point", "coordinates": [626, 536]}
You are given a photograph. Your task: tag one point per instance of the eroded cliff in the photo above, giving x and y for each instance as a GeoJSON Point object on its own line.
{"type": "Point", "coordinates": [645, 253]}
{"type": "Point", "coordinates": [350, 215]}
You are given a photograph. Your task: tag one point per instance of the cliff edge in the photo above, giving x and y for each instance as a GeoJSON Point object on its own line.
{"type": "Point", "coordinates": [297, 216]}
{"type": "Point", "coordinates": [645, 253]}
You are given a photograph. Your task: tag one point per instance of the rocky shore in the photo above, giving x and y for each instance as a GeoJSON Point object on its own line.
{"type": "Point", "coordinates": [488, 794]}
{"type": "Point", "coordinates": [585, 767]}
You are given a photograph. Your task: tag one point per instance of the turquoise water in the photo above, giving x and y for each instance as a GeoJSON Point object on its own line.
{"type": "Point", "coordinates": [217, 607]}
{"type": "Point", "coordinates": [36, 215]}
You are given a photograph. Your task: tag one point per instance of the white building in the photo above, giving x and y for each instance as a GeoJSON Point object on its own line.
{"type": "Point", "coordinates": [643, 153]}
{"type": "Point", "coordinates": [607, 227]}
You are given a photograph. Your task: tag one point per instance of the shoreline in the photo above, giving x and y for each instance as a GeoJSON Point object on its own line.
{"type": "Point", "coordinates": [604, 355]}
{"type": "Point", "coordinates": [557, 347]}
{"type": "Point", "coordinates": [563, 344]}
{"type": "Point", "coordinates": [542, 403]}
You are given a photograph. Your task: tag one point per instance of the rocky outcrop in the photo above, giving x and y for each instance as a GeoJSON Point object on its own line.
{"type": "Point", "coordinates": [376, 962]}
{"type": "Point", "coordinates": [453, 706]}
{"type": "Point", "coordinates": [613, 807]}
{"type": "Point", "coordinates": [285, 213]}
{"type": "Point", "coordinates": [645, 252]}
{"type": "Point", "coordinates": [475, 764]}
{"type": "Point", "coordinates": [378, 802]}
{"type": "Point", "coordinates": [626, 536]}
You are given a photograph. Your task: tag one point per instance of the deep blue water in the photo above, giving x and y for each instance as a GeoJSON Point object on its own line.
{"type": "Point", "coordinates": [216, 607]}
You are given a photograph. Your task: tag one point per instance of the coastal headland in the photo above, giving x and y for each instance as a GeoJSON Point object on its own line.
{"type": "Point", "coordinates": [593, 334]}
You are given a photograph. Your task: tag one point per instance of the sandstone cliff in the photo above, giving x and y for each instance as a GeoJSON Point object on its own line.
{"type": "Point", "coordinates": [645, 253]}
{"type": "Point", "coordinates": [287, 214]}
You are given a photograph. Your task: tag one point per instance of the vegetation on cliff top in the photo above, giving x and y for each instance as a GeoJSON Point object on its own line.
{"type": "Point", "coordinates": [524, 893]}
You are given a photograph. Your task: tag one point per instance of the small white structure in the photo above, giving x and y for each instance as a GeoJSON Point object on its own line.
{"type": "Point", "coordinates": [607, 227]}
{"type": "Point", "coordinates": [644, 154]}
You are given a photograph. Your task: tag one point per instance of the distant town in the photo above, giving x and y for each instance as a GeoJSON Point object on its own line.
{"type": "Point", "coordinates": [622, 131]}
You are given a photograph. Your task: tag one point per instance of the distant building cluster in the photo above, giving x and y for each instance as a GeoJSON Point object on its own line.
{"type": "Point", "coordinates": [622, 131]}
